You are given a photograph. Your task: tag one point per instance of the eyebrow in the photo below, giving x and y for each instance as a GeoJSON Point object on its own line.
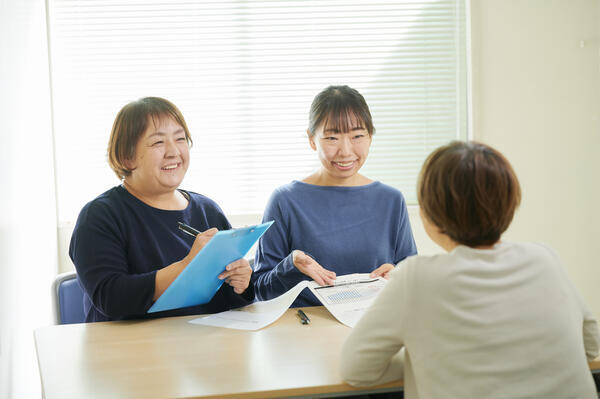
{"type": "Point", "coordinates": [336, 131]}
{"type": "Point", "coordinates": [159, 133]}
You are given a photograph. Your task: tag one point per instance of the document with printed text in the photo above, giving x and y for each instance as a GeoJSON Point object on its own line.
{"type": "Point", "coordinates": [350, 297]}
{"type": "Point", "coordinates": [346, 300]}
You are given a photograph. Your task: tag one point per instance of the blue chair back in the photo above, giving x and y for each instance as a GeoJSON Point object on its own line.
{"type": "Point", "coordinates": [68, 299]}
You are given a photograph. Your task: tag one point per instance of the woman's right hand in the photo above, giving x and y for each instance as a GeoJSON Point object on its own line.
{"type": "Point", "coordinates": [312, 268]}
{"type": "Point", "coordinates": [166, 275]}
{"type": "Point", "coordinates": [201, 240]}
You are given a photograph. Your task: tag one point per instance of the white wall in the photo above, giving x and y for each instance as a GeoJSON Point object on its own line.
{"type": "Point", "coordinates": [536, 97]}
{"type": "Point", "coordinates": [27, 207]}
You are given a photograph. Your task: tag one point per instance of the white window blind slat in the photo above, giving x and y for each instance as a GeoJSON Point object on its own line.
{"type": "Point", "coordinates": [244, 74]}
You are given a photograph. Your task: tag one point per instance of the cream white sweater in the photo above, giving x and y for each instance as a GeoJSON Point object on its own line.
{"type": "Point", "coordinates": [498, 323]}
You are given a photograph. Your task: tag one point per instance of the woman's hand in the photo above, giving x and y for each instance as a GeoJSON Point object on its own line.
{"type": "Point", "coordinates": [312, 269]}
{"type": "Point", "coordinates": [201, 240]}
{"type": "Point", "coordinates": [383, 271]}
{"type": "Point", "coordinates": [237, 274]}
{"type": "Point", "coordinates": [166, 275]}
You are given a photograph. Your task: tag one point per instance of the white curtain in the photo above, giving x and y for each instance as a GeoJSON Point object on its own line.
{"type": "Point", "coordinates": [244, 74]}
{"type": "Point", "coordinates": [27, 200]}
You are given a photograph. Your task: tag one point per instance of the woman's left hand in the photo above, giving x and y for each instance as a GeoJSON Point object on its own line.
{"type": "Point", "coordinates": [383, 271]}
{"type": "Point", "coordinates": [237, 274]}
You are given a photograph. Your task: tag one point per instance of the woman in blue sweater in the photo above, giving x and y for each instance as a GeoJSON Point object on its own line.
{"type": "Point", "coordinates": [335, 221]}
{"type": "Point", "coordinates": [126, 246]}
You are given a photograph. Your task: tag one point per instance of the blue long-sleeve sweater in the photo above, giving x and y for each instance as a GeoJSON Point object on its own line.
{"type": "Point", "coordinates": [345, 229]}
{"type": "Point", "coordinates": [119, 243]}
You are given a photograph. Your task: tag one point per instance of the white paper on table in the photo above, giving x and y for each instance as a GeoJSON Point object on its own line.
{"type": "Point", "coordinates": [349, 297]}
{"type": "Point", "coordinates": [254, 316]}
{"type": "Point", "coordinates": [346, 300]}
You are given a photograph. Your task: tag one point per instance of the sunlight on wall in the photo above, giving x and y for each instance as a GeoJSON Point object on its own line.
{"type": "Point", "coordinates": [28, 222]}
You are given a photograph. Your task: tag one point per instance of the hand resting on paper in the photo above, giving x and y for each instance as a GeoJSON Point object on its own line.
{"type": "Point", "coordinates": [237, 274]}
{"type": "Point", "coordinates": [383, 271]}
{"type": "Point", "coordinates": [312, 268]}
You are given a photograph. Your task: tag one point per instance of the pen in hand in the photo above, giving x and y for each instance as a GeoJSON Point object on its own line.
{"type": "Point", "coordinates": [303, 317]}
{"type": "Point", "coordinates": [188, 229]}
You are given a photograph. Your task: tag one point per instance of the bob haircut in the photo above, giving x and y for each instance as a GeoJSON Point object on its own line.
{"type": "Point", "coordinates": [469, 191]}
{"type": "Point", "coordinates": [131, 123]}
{"type": "Point", "coordinates": [339, 108]}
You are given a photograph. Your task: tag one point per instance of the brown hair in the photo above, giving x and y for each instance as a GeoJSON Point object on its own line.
{"type": "Point", "coordinates": [470, 191]}
{"type": "Point", "coordinates": [131, 123]}
{"type": "Point", "coordinates": [337, 107]}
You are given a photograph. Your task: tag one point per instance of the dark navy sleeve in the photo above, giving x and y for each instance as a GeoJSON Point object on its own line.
{"type": "Point", "coordinates": [274, 270]}
{"type": "Point", "coordinates": [405, 244]}
{"type": "Point", "coordinates": [98, 252]}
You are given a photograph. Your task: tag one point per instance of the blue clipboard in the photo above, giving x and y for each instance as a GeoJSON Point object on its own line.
{"type": "Point", "coordinates": [199, 282]}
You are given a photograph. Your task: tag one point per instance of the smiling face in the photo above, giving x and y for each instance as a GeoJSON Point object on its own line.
{"type": "Point", "coordinates": [342, 154]}
{"type": "Point", "coordinates": [161, 158]}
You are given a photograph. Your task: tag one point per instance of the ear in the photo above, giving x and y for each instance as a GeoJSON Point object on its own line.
{"type": "Point", "coordinates": [311, 140]}
{"type": "Point", "coordinates": [129, 164]}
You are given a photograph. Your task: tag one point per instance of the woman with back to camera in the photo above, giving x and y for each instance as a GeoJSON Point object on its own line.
{"type": "Point", "coordinates": [489, 319]}
{"type": "Point", "coordinates": [126, 246]}
{"type": "Point", "coordinates": [335, 221]}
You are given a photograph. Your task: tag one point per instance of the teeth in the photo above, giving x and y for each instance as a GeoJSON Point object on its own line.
{"type": "Point", "coordinates": [344, 164]}
{"type": "Point", "coordinates": [168, 167]}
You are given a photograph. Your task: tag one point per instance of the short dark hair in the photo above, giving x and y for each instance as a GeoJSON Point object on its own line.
{"type": "Point", "coordinates": [337, 107]}
{"type": "Point", "coordinates": [131, 123]}
{"type": "Point", "coordinates": [470, 191]}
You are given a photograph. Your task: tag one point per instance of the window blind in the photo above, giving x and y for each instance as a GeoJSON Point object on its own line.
{"type": "Point", "coordinates": [244, 74]}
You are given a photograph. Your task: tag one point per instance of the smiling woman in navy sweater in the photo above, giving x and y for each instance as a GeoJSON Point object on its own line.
{"type": "Point", "coordinates": [335, 221]}
{"type": "Point", "coordinates": [126, 246]}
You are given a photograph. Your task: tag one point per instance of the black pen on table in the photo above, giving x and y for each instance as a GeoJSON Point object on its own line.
{"type": "Point", "coordinates": [188, 229]}
{"type": "Point", "coordinates": [303, 317]}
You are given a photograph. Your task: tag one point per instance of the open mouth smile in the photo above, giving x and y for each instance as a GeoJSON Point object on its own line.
{"type": "Point", "coordinates": [171, 166]}
{"type": "Point", "coordinates": [344, 165]}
